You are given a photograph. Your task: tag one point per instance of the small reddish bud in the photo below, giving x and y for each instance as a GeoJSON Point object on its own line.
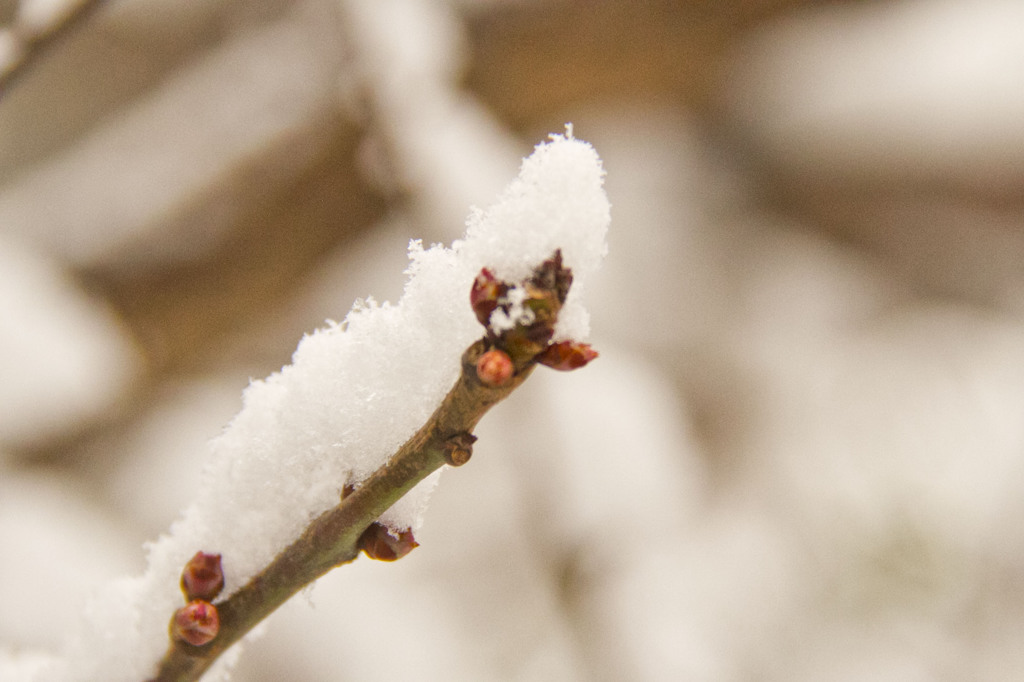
{"type": "Point", "coordinates": [494, 368]}
{"type": "Point", "coordinates": [196, 623]}
{"type": "Point", "coordinates": [378, 543]}
{"type": "Point", "coordinates": [484, 295]}
{"type": "Point", "coordinates": [567, 355]}
{"type": "Point", "coordinates": [203, 577]}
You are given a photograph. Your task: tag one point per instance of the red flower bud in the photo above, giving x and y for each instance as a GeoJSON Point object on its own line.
{"type": "Point", "coordinates": [567, 355]}
{"type": "Point", "coordinates": [203, 577]}
{"type": "Point", "coordinates": [378, 543]}
{"type": "Point", "coordinates": [494, 368]}
{"type": "Point", "coordinates": [196, 623]}
{"type": "Point", "coordinates": [485, 294]}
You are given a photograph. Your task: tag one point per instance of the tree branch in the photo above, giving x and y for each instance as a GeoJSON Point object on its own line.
{"type": "Point", "coordinates": [520, 321]}
{"type": "Point", "coordinates": [332, 539]}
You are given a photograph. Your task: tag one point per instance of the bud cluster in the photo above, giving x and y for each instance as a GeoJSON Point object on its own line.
{"type": "Point", "coordinates": [202, 579]}
{"type": "Point", "coordinates": [520, 321]}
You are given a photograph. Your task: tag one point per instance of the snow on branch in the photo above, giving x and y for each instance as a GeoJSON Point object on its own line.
{"type": "Point", "coordinates": [368, 391]}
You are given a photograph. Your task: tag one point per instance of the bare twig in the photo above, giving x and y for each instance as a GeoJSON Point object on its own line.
{"type": "Point", "coordinates": [331, 540]}
{"type": "Point", "coordinates": [28, 43]}
{"type": "Point", "coordinates": [492, 368]}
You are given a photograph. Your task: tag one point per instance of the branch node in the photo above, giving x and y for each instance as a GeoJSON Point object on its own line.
{"type": "Point", "coordinates": [458, 449]}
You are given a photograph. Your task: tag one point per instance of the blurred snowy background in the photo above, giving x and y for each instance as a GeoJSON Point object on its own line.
{"type": "Point", "coordinates": [801, 454]}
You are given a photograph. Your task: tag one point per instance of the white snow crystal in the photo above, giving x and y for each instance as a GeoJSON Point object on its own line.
{"type": "Point", "coordinates": [517, 313]}
{"type": "Point", "coordinates": [352, 395]}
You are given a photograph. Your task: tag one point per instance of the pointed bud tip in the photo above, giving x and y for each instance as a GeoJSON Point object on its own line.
{"type": "Point", "coordinates": [203, 577]}
{"type": "Point", "coordinates": [553, 276]}
{"type": "Point", "coordinates": [196, 623]}
{"type": "Point", "coordinates": [566, 356]}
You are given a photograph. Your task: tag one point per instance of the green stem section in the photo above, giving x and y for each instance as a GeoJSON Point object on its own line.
{"type": "Point", "coordinates": [331, 539]}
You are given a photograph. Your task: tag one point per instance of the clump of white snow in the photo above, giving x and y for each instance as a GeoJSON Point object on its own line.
{"type": "Point", "coordinates": [353, 394]}
{"type": "Point", "coordinates": [517, 313]}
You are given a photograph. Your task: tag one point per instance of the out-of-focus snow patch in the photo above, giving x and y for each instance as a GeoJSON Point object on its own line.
{"type": "Point", "coordinates": [576, 486]}
{"type": "Point", "coordinates": [443, 145]}
{"type": "Point", "coordinates": [10, 49]}
{"type": "Point", "coordinates": [892, 457]}
{"type": "Point", "coordinates": [320, 642]}
{"type": "Point", "coordinates": [37, 16]}
{"type": "Point", "coordinates": [921, 85]}
{"type": "Point", "coordinates": [406, 43]}
{"type": "Point", "coordinates": [164, 452]}
{"type": "Point", "coordinates": [63, 357]}
{"type": "Point", "coordinates": [908, 423]}
{"type": "Point", "coordinates": [627, 479]}
{"type": "Point", "coordinates": [23, 664]}
{"type": "Point", "coordinates": [627, 466]}
{"type": "Point", "coordinates": [712, 274]}
{"type": "Point", "coordinates": [57, 548]}
{"type": "Point", "coordinates": [706, 604]}
{"type": "Point", "coordinates": [160, 181]}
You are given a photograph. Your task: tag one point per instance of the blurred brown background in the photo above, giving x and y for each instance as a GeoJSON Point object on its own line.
{"type": "Point", "coordinates": [812, 407]}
